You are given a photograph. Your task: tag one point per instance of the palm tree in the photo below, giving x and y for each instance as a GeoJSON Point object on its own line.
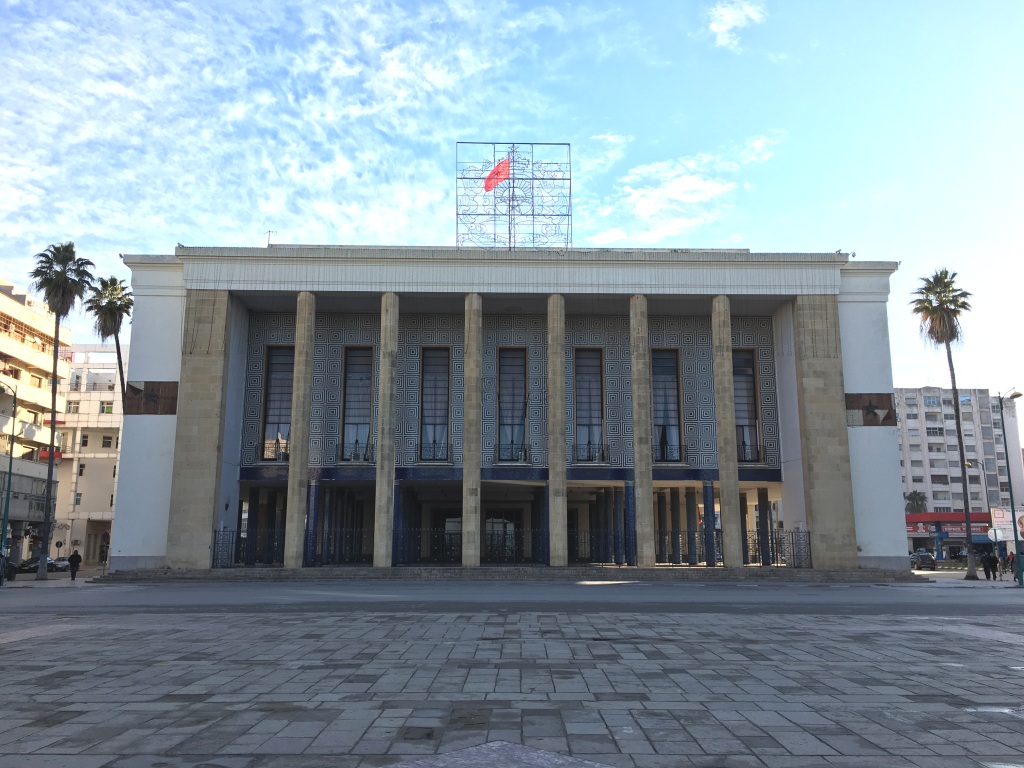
{"type": "Point", "coordinates": [939, 304]}
{"type": "Point", "coordinates": [916, 502]}
{"type": "Point", "coordinates": [111, 302]}
{"type": "Point", "coordinates": [63, 278]}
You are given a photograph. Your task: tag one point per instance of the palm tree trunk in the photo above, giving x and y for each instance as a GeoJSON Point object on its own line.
{"type": "Point", "coordinates": [120, 369]}
{"type": "Point", "coordinates": [44, 546]}
{"type": "Point", "coordinates": [972, 568]}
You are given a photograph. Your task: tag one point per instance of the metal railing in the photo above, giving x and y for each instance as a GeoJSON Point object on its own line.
{"type": "Point", "coordinates": [355, 452]}
{"type": "Point", "coordinates": [252, 547]}
{"type": "Point", "coordinates": [342, 546]}
{"type": "Point", "coordinates": [512, 452]}
{"type": "Point", "coordinates": [429, 546]}
{"type": "Point", "coordinates": [275, 450]}
{"type": "Point", "coordinates": [589, 453]}
{"type": "Point", "coordinates": [520, 546]}
{"type": "Point", "coordinates": [788, 548]}
{"type": "Point", "coordinates": [749, 454]}
{"type": "Point", "coordinates": [432, 451]}
{"type": "Point", "coordinates": [668, 453]}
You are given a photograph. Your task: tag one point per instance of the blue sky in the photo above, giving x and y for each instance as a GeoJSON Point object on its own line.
{"type": "Point", "coordinates": [889, 129]}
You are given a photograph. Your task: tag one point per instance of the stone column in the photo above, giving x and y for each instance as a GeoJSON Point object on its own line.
{"type": "Point", "coordinates": [725, 427]}
{"type": "Point", "coordinates": [764, 526]}
{"type": "Point", "coordinates": [640, 360]}
{"type": "Point", "coordinates": [558, 554]}
{"type": "Point", "coordinates": [691, 526]}
{"type": "Point", "coordinates": [298, 437]}
{"type": "Point", "coordinates": [472, 417]}
{"type": "Point", "coordinates": [676, 526]}
{"type": "Point", "coordinates": [710, 554]}
{"type": "Point", "coordinates": [384, 498]}
{"type": "Point", "coordinates": [199, 430]}
{"type": "Point", "coordinates": [824, 440]}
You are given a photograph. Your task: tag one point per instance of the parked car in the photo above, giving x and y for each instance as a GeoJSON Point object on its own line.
{"type": "Point", "coordinates": [62, 564]}
{"type": "Point", "coordinates": [31, 565]}
{"type": "Point", "coordinates": [921, 561]}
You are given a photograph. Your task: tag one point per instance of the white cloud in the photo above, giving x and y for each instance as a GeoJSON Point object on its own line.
{"type": "Point", "coordinates": [656, 204]}
{"type": "Point", "coordinates": [730, 15]}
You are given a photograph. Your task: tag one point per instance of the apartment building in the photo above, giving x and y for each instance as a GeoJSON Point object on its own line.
{"type": "Point", "coordinates": [91, 449]}
{"type": "Point", "coordinates": [930, 462]}
{"type": "Point", "coordinates": [26, 365]}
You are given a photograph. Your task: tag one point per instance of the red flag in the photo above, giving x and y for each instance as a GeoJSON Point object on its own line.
{"type": "Point", "coordinates": [497, 175]}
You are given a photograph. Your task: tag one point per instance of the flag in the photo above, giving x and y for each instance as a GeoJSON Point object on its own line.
{"type": "Point", "coordinates": [497, 175]}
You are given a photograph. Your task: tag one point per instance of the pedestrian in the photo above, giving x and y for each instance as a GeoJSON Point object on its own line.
{"type": "Point", "coordinates": [1002, 565]}
{"type": "Point", "coordinates": [1009, 563]}
{"type": "Point", "coordinates": [986, 564]}
{"type": "Point", "coordinates": [74, 562]}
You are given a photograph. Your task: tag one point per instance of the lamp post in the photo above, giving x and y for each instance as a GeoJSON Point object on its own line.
{"type": "Point", "coordinates": [1017, 565]}
{"type": "Point", "coordinates": [10, 473]}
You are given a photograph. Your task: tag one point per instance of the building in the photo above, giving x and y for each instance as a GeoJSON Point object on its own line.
{"type": "Point", "coordinates": [26, 366]}
{"type": "Point", "coordinates": [397, 405]}
{"type": "Point", "coordinates": [930, 464]}
{"type": "Point", "coordinates": [91, 447]}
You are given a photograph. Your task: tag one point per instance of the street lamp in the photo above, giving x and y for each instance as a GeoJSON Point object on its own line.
{"type": "Point", "coordinates": [1017, 565]}
{"type": "Point", "coordinates": [10, 470]}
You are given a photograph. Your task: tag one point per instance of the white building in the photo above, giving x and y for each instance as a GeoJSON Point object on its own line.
{"type": "Point", "coordinates": [324, 405]}
{"type": "Point", "coordinates": [90, 452]}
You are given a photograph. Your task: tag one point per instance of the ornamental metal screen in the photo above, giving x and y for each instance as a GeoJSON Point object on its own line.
{"type": "Point", "coordinates": [513, 195]}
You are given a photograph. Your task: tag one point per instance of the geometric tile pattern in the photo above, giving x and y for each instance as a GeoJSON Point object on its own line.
{"type": "Point", "coordinates": [610, 334]}
{"type": "Point", "coordinates": [529, 331]}
{"type": "Point", "coordinates": [414, 333]}
{"type": "Point", "coordinates": [691, 336]}
{"type": "Point", "coordinates": [331, 335]}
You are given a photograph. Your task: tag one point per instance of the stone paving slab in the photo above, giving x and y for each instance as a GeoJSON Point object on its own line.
{"type": "Point", "coordinates": [369, 688]}
{"type": "Point", "coordinates": [499, 754]}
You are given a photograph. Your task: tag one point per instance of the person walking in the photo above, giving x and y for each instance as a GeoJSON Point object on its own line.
{"type": "Point", "coordinates": [986, 563]}
{"type": "Point", "coordinates": [75, 561]}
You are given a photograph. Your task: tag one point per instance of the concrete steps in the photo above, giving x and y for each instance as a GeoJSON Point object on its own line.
{"type": "Point", "coordinates": [753, 575]}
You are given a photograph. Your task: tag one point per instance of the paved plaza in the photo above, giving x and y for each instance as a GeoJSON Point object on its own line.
{"type": "Point", "coordinates": [452, 675]}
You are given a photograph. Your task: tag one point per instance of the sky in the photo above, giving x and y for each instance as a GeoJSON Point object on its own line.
{"type": "Point", "coordinates": [890, 130]}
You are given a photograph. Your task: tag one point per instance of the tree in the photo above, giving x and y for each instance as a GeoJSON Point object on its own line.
{"type": "Point", "coordinates": [916, 502]}
{"type": "Point", "coordinates": [63, 279]}
{"type": "Point", "coordinates": [939, 304]}
{"type": "Point", "coordinates": [110, 303]}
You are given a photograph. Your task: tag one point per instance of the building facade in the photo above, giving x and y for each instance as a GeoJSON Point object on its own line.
{"type": "Point", "coordinates": [930, 464]}
{"type": "Point", "coordinates": [90, 447]}
{"type": "Point", "coordinates": [326, 405]}
{"type": "Point", "coordinates": [26, 367]}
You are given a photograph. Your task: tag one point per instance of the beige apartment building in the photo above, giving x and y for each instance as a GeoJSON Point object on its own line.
{"type": "Point", "coordinates": [26, 363]}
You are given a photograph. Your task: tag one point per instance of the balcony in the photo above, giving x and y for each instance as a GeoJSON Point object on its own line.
{"type": "Point", "coordinates": [668, 454]}
{"type": "Point", "coordinates": [433, 451]}
{"type": "Point", "coordinates": [589, 453]}
{"type": "Point", "coordinates": [749, 454]}
{"type": "Point", "coordinates": [356, 452]}
{"type": "Point", "coordinates": [44, 455]}
{"type": "Point", "coordinates": [275, 450]}
{"type": "Point", "coordinates": [512, 453]}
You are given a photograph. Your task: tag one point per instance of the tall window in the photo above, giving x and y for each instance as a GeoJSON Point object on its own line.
{"type": "Point", "coordinates": [355, 435]}
{"type": "Point", "coordinates": [277, 411]}
{"type": "Point", "coordinates": [745, 391]}
{"type": "Point", "coordinates": [511, 404]}
{"type": "Point", "coordinates": [665, 383]}
{"type": "Point", "coordinates": [434, 406]}
{"type": "Point", "coordinates": [589, 406]}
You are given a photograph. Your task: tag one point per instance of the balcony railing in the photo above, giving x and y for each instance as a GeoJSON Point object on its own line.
{"type": "Point", "coordinates": [275, 450]}
{"type": "Point", "coordinates": [749, 454]}
{"type": "Point", "coordinates": [520, 546]}
{"type": "Point", "coordinates": [356, 452]}
{"type": "Point", "coordinates": [668, 453]}
{"type": "Point", "coordinates": [433, 451]}
{"type": "Point", "coordinates": [512, 452]}
{"type": "Point", "coordinates": [589, 453]}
